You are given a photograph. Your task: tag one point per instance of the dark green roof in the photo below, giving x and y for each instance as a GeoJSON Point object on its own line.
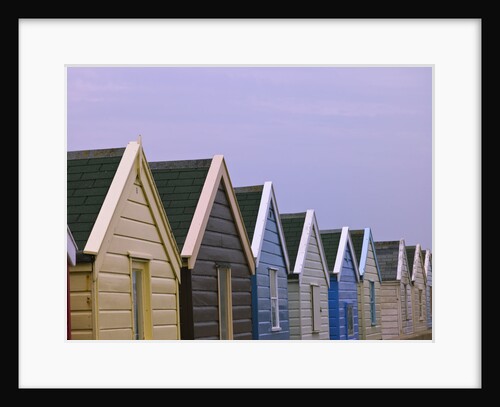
{"type": "Point", "coordinates": [387, 256]}
{"type": "Point", "coordinates": [293, 224]}
{"type": "Point", "coordinates": [249, 203]}
{"type": "Point", "coordinates": [90, 174]}
{"type": "Point", "coordinates": [331, 241]}
{"type": "Point", "coordinates": [179, 184]}
{"type": "Point", "coordinates": [410, 255]}
{"type": "Point", "coordinates": [357, 237]}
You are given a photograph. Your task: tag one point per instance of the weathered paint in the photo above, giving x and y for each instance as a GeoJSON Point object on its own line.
{"type": "Point", "coordinates": [428, 286]}
{"type": "Point", "coordinates": [271, 256]}
{"type": "Point", "coordinates": [369, 272]}
{"type": "Point", "coordinates": [343, 291]}
{"type": "Point", "coordinates": [397, 317]}
{"type": "Point", "coordinates": [137, 231]}
{"type": "Point", "coordinates": [221, 244]}
{"type": "Point", "coordinates": [419, 292]}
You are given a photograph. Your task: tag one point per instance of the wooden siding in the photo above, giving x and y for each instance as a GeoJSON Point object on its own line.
{"type": "Point", "coordinates": [419, 323]}
{"type": "Point", "coordinates": [220, 244]}
{"type": "Point", "coordinates": [271, 256]}
{"type": "Point", "coordinates": [366, 329]}
{"type": "Point", "coordinates": [313, 273]}
{"type": "Point", "coordinates": [81, 304]}
{"type": "Point", "coordinates": [428, 295]}
{"type": "Point", "coordinates": [294, 308]}
{"type": "Point", "coordinates": [406, 317]}
{"type": "Point", "coordinates": [137, 231]}
{"type": "Point", "coordinates": [391, 309]}
{"type": "Point", "coordinates": [342, 292]}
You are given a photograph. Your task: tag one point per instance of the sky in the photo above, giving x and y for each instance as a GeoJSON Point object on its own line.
{"type": "Point", "coordinates": [352, 143]}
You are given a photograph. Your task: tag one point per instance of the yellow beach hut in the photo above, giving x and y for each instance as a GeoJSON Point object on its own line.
{"type": "Point", "coordinates": [125, 282]}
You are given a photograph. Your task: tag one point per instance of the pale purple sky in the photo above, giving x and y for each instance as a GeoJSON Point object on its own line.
{"type": "Point", "coordinates": [355, 144]}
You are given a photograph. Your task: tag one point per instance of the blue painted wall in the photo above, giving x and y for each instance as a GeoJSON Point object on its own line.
{"type": "Point", "coordinates": [271, 256]}
{"type": "Point", "coordinates": [341, 293]}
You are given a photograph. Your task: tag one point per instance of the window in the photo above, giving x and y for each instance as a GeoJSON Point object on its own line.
{"type": "Point", "coordinates": [225, 303]}
{"type": "Point", "coordinates": [349, 314]}
{"type": "Point", "coordinates": [405, 299]}
{"type": "Point", "coordinates": [275, 312]}
{"type": "Point", "coordinates": [420, 305]}
{"type": "Point", "coordinates": [373, 311]}
{"type": "Point", "coordinates": [316, 305]}
{"type": "Point", "coordinates": [141, 308]}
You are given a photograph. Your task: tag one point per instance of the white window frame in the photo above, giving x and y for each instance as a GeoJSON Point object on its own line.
{"type": "Point", "coordinates": [142, 328]}
{"type": "Point", "coordinates": [274, 297]}
{"type": "Point", "coordinates": [228, 302]}
{"type": "Point", "coordinates": [373, 308]}
{"type": "Point", "coordinates": [316, 307]}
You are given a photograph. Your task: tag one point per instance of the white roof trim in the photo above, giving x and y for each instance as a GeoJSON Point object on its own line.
{"type": "Point", "coordinates": [268, 198]}
{"type": "Point", "coordinates": [339, 259]}
{"type": "Point", "coordinates": [71, 247]}
{"type": "Point", "coordinates": [427, 261]}
{"type": "Point", "coordinates": [321, 250]}
{"type": "Point", "coordinates": [304, 242]}
{"type": "Point", "coordinates": [217, 173]}
{"type": "Point", "coordinates": [353, 254]}
{"type": "Point", "coordinates": [364, 251]}
{"type": "Point", "coordinates": [260, 223]}
{"type": "Point", "coordinates": [402, 252]}
{"type": "Point", "coordinates": [112, 198]}
{"type": "Point", "coordinates": [202, 212]}
{"type": "Point", "coordinates": [345, 242]}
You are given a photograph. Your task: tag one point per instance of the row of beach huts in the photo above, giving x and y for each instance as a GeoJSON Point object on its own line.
{"type": "Point", "coordinates": [171, 250]}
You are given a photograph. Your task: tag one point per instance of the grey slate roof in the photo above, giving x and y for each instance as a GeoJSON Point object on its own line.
{"type": "Point", "coordinates": [387, 256]}
{"type": "Point", "coordinates": [249, 202]}
{"type": "Point", "coordinates": [90, 174]}
{"type": "Point", "coordinates": [179, 184]}
{"type": "Point", "coordinates": [331, 241]}
{"type": "Point", "coordinates": [293, 224]}
{"type": "Point", "coordinates": [357, 237]}
{"type": "Point", "coordinates": [410, 254]}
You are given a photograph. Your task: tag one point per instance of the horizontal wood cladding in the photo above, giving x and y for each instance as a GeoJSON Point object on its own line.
{"type": "Point", "coordinates": [81, 302]}
{"type": "Point", "coordinates": [391, 311]}
{"type": "Point", "coordinates": [221, 244]}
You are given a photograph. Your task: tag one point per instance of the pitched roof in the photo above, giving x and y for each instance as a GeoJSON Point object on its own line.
{"type": "Point", "coordinates": [357, 237]}
{"type": "Point", "coordinates": [388, 256]}
{"type": "Point", "coordinates": [410, 255]}
{"type": "Point", "coordinates": [293, 225]}
{"type": "Point", "coordinates": [331, 241]}
{"type": "Point", "coordinates": [249, 201]}
{"type": "Point", "coordinates": [90, 174]}
{"type": "Point", "coordinates": [180, 184]}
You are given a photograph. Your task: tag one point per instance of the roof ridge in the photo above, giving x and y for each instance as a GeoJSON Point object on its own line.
{"type": "Point", "coordinates": [179, 164]}
{"type": "Point", "coordinates": [293, 215]}
{"type": "Point", "coordinates": [325, 231]}
{"type": "Point", "coordinates": [99, 153]}
{"type": "Point", "coordinates": [249, 188]}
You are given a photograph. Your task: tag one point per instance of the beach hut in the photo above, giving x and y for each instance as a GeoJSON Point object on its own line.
{"type": "Point", "coordinates": [71, 261]}
{"type": "Point", "coordinates": [125, 282]}
{"type": "Point", "coordinates": [269, 284]}
{"type": "Point", "coordinates": [428, 286]}
{"type": "Point", "coordinates": [344, 281]}
{"type": "Point", "coordinates": [369, 289]}
{"type": "Point", "coordinates": [308, 281]}
{"type": "Point", "coordinates": [217, 259]}
{"type": "Point", "coordinates": [418, 279]}
{"type": "Point", "coordinates": [397, 317]}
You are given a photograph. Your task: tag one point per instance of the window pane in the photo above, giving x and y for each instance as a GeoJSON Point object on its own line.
{"type": "Point", "coordinates": [137, 303]}
{"type": "Point", "coordinates": [225, 303]}
{"type": "Point", "coordinates": [316, 305]}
